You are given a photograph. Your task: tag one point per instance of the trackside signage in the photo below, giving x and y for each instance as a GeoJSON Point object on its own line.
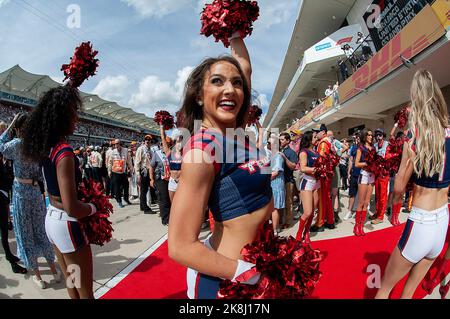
{"type": "Point", "coordinates": [419, 34]}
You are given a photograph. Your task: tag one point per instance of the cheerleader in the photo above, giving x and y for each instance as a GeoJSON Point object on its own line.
{"type": "Point", "coordinates": [308, 185]}
{"type": "Point", "coordinates": [235, 188]}
{"type": "Point", "coordinates": [44, 141]}
{"type": "Point", "coordinates": [174, 157]}
{"type": "Point", "coordinates": [365, 182]}
{"type": "Point", "coordinates": [425, 159]}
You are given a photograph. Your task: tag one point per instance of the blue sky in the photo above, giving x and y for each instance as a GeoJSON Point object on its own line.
{"type": "Point", "coordinates": [147, 48]}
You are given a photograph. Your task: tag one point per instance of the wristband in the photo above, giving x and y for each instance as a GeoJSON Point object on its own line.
{"type": "Point", "coordinates": [235, 35]}
{"type": "Point", "coordinates": [93, 209]}
{"type": "Point", "coordinates": [246, 273]}
{"type": "Point", "coordinates": [396, 125]}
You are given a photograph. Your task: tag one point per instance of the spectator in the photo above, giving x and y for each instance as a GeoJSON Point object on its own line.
{"type": "Point", "coordinates": [343, 164]}
{"type": "Point", "coordinates": [366, 49]}
{"type": "Point", "coordinates": [290, 161]}
{"type": "Point", "coordinates": [29, 206]}
{"type": "Point", "coordinates": [353, 174]}
{"type": "Point", "coordinates": [350, 53]}
{"type": "Point", "coordinates": [336, 94]}
{"type": "Point", "coordinates": [343, 70]}
{"type": "Point", "coordinates": [142, 171]}
{"type": "Point", "coordinates": [118, 169]}
{"type": "Point", "coordinates": [96, 162]}
{"type": "Point", "coordinates": [328, 91]}
{"type": "Point", "coordinates": [159, 179]}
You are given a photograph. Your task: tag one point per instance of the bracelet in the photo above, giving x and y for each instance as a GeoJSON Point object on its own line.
{"type": "Point", "coordinates": [236, 34]}
{"type": "Point", "coordinates": [93, 209]}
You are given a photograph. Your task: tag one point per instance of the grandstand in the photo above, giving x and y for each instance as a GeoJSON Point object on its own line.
{"type": "Point", "coordinates": [100, 120]}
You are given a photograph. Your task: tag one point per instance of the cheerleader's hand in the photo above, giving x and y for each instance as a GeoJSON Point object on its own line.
{"type": "Point", "coordinates": [246, 273]}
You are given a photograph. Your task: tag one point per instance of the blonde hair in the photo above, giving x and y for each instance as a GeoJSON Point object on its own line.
{"type": "Point", "coordinates": [428, 121]}
{"type": "Point", "coordinates": [3, 126]}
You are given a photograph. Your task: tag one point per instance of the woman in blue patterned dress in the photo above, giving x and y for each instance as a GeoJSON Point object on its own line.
{"type": "Point", "coordinates": [29, 206]}
{"type": "Point", "coordinates": [277, 182]}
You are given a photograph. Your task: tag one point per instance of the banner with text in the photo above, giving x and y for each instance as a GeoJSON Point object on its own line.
{"type": "Point", "coordinates": [419, 34]}
{"type": "Point", "coordinates": [386, 18]}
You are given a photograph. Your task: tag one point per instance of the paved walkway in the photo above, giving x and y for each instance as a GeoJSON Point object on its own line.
{"type": "Point", "coordinates": [134, 235]}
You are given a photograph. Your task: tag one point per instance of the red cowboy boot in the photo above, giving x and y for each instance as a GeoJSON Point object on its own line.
{"type": "Point", "coordinates": [395, 212]}
{"type": "Point", "coordinates": [301, 227]}
{"type": "Point", "coordinates": [362, 222]}
{"type": "Point", "coordinates": [356, 229]}
{"type": "Point", "coordinates": [306, 238]}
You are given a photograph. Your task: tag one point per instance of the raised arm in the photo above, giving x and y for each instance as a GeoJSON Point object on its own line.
{"type": "Point", "coordinates": [259, 142]}
{"type": "Point", "coordinates": [7, 148]}
{"type": "Point", "coordinates": [240, 53]}
{"type": "Point", "coordinates": [166, 147]}
{"type": "Point", "coordinates": [394, 128]}
{"type": "Point", "coordinates": [186, 218]}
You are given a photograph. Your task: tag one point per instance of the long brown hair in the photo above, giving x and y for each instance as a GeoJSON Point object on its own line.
{"type": "Point", "coordinates": [429, 118]}
{"type": "Point", "coordinates": [190, 108]}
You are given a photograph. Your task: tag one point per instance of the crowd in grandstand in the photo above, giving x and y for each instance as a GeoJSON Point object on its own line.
{"type": "Point", "coordinates": [84, 127]}
{"type": "Point", "coordinates": [101, 130]}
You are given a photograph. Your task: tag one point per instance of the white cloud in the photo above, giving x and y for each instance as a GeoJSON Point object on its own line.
{"type": "Point", "coordinates": [113, 88]}
{"type": "Point", "coordinates": [156, 8]}
{"type": "Point", "coordinates": [275, 12]}
{"type": "Point", "coordinates": [156, 94]}
{"type": "Point", "coordinates": [3, 3]}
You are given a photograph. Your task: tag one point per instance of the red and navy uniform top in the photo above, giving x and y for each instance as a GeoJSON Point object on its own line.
{"type": "Point", "coordinates": [242, 181]}
{"type": "Point", "coordinates": [60, 151]}
{"type": "Point", "coordinates": [311, 156]}
{"type": "Point", "coordinates": [364, 151]}
{"type": "Point", "coordinates": [438, 180]}
{"type": "Point", "coordinates": [174, 162]}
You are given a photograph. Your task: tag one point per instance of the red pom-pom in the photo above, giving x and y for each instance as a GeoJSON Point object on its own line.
{"type": "Point", "coordinates": [395, 154]}
{"type": "Point", "coordinates": [97, 227]}
{"type": "Point", "coordinates": [180, 119]}
{"type": "Point", "coordinates": [325, 165]}
{"type": "Point", "coordinates": [289, 269]}
{"type": "Point", "coordinates": [164, 118]}
{"type": "Point", "coordinates": [401, 117]}
{"type": "Point", "coordinates": [223, 17]}
{"type": "Point", "coordinates": [254, 114]}
{"type": "Point", "coordinates": [82, 65]}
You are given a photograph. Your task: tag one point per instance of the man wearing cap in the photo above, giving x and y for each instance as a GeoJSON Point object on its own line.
{"type": "Point", "coordinates": [381, 182]}
{"type": "Point", "coordinates": [141, 169]}
{"type": "Point", "coordinates": [119, 167]}
{"type": "Point", "coordinates": [324, 149]}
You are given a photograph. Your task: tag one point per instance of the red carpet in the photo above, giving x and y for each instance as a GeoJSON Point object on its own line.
{"type": "Point", "coordinates": [344, 270]}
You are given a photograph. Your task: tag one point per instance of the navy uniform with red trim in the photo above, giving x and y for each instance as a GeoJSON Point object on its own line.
{"type": "Point", "coordinates": [425, 231]}
{"type": "Point", "coordinates": [241, 186]}
{"type": "Point", "coordinates": [62, 230]}
{"type": "Point", "coordinates": [309, 182]}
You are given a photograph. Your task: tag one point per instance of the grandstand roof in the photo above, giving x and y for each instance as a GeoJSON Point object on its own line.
{"type": "Point", "coordinates": [28, 85]}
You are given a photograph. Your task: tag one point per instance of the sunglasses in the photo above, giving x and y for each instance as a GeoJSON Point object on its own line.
{"type": "Point", "coordinates": [370, 134]}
